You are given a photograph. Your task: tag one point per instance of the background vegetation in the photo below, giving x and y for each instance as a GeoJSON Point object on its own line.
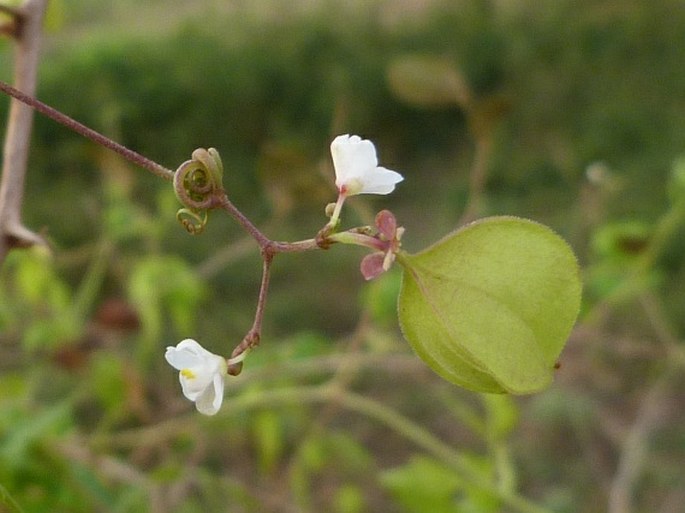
{"type": "Point", "coordinates": [580, 106]}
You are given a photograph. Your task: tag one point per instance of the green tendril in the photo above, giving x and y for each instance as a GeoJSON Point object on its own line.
{"type": "Point", "coordinates": [193, 221]}
{"type": "Point", "coordinates": [198, 184]}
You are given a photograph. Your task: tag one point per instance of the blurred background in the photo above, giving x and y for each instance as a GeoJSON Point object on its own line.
{"type": "Point", "coordinates": [568, 112]}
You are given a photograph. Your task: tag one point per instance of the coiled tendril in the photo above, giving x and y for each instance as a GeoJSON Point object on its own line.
{"type": "Point", "coordinates": [198, 183]}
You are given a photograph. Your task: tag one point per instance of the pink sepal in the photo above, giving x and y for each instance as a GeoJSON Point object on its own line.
{"type": "Point", "coordinates": [372, 265]}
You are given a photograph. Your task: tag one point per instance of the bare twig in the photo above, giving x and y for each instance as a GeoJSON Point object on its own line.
{"type": "Point", "coordinates": [28, 22]}
{"type": "Point", "coordinates": [253, 336]}
{"type": "Point", "coordinates": [481, 120]}
{"type": "Point", "coordinates": [634, 451]}
{"type": "Point", "coordinates": [478, 177]}
{"type": "Point", "coordinates": [88, 133]}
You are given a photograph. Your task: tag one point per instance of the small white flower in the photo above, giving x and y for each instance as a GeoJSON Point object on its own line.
{"type": "Point", "coordinates": [357, 170]}
{"type": "Point", "coordinates": [201, 374]}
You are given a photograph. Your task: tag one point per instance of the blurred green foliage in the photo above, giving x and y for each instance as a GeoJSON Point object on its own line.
{"type": "Point", "coordinates": [581, 102]}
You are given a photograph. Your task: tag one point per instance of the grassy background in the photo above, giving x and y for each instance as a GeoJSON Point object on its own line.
{"type": "Point", "coordinates": [583, 105]}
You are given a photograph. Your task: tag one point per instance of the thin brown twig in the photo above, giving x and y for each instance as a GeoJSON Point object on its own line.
{"type": "Point", "coordinates": [477, 177]}
{"type": "Point", "coordinates": [663, 328]}
{"type": "Point", "coordinates": [631, 462]}
{"type": "Point", "coordinates": [634, 452]}
{"type": "Point", "coordinates": [28, 21]}
{"type": "Point", "coordinates": [89, 133]}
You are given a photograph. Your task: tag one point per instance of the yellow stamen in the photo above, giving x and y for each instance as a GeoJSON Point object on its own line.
{"type": "Point", "coordinates": [187, 373]}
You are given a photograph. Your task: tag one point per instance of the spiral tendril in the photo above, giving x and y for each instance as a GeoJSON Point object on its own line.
{"type": "Point", "coordinates": [194, 222]}
{"type": "Point", "coordinates": [198, 184]}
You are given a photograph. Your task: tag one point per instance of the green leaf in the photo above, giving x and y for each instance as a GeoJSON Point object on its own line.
{"type": "Point", "coordinates": [267, 430]}
{"type": "Point", "coordinates": [29, 431]}
{"type": "Point", "coordinates": [38, 282]}
{"type": "Point", "coordinates": [161, 284]}
{"type": "Point", "coordinates": [423, 484]}
{"type": "Point", "coordinates": [490, 306]}
{"type": "Point", "coordinates": [349, 499]}
{"type": "Point", "coordinates": [55, 15]}
{"type": "Point", "coordinates": [107, 378]}
{"type": "Point", "coordinates": [428, 80]}
{"type": "Point", "coordinates": [379, 298]}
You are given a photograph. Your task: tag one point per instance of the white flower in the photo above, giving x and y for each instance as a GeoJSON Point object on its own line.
{"type": "Point", "coordinates": [201, 374]}
{"type": "Point", "coordinates": [357, 170]}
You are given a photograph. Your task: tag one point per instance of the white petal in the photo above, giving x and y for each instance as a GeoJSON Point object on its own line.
{"type": "Point", "coordinates": [193, 347]}
{"type": "Point", "coordinates": [205, 403]}
{"type": "Point", "coordinates": [218, 391]}
{"type": "Point", "coordinates": [186, 354]}
{"type": "Point", "coordinates": [353, 157]}
{"type": "Point", "coordinates": [201, 374]}
{"type": "Point", "coordinates": [356, 167]}
{"type": "Point", "coordinates": [195, 386]}
{"type": "Point", "coordinates": [179, 359]}
{"type": "Point", "coordinates": [211, 398]}
{"type": "Point", "coordinates": [380, 181]}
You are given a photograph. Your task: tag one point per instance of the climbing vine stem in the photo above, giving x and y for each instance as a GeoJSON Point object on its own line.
{"type": "Point", "coordinates": [88, 133]}
{"type": "Point", "coordinates": [198, 185]}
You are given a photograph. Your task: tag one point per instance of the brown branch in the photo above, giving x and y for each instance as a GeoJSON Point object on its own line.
{"type": "Point", "coordinates": [88, 133]}
{"type": "Point", "coordinates": [635, 447]}
{"type": "Point", "coordinates": [13, 234]}
{"type": "Point", "coordinates": [255, 334]}
{"type": "Point", "coordinates": [634, 453]}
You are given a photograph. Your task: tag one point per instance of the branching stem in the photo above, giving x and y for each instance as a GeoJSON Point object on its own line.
{"type": "Point", "coordinates": [219, 199]}
{"type": "Point", "coordinates": [268, 247]}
